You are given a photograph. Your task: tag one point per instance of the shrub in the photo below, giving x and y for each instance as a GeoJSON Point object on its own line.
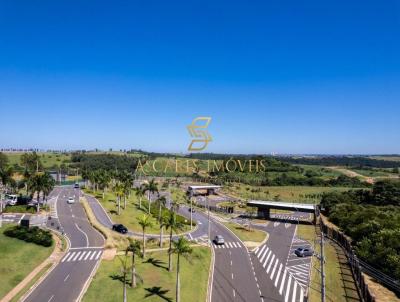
{"type": "Point", "coordinates": [33, 234]}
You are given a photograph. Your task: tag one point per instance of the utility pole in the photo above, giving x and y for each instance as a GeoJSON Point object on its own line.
{"type": "Point", "coordinates": [208, 206]}
{"type": "Point", "coordinates": [322, 268]}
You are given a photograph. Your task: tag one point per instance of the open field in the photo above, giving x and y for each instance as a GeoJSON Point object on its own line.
{"type": "Point", "coordinates": [158, 284]}
{"type": "Point", "coordinates": [305, 194]}
{"type": "Point", "coordinates": [18, 258]}
{"type": "Point", "coordinates": [49, 159]}
{"type": "Point", "coordinates": [340, 286]}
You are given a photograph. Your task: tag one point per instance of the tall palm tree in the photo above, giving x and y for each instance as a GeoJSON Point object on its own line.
{"type": "Point", "coordinates": [119, 192]}
{"type": "Point", "coordinates": [151, 188]}
{"type": "Point", "coordinates": [162, 201]}
{"type": "Point", "coordinates": [127, 190]}
{"type": "Point", "coordinates": [139, 192]}
{"type": "Point", "coordinates": [125, 272]}
{"type": "Point", "coordinates": [171, 224]}
{"type": "Point", "coordinates": [134, 247]}
{"type": "Point", "coordinates": [163, 222]}
{"type": "Point", "coordinates": [48, 183]}
{"type": "Point", "coordinates": [145, 223]}
{"type": "Point", "coordinates": [104, 180]}
{"type": "Point", "coordinates": [181, 248]}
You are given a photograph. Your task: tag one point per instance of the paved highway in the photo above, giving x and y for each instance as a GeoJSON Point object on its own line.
{"type": "Point", "coordinates": [66, 281]}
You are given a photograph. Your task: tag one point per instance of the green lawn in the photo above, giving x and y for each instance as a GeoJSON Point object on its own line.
{"type": "Point", "coordinates": [129, 216]}
{"type": "Point", "coordinates": [17, 259]}
{"type": "Point", "coordinates": [158, 284]}
{"type": "Point", "coordinates": [245, 234]}
{"type": "Point", "coordinates": [304, 194]}
{"type": "Point", "coordinates": [340, 286]}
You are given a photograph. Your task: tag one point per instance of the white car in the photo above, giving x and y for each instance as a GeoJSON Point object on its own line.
{"type": "Point", "coordinates": [71, 200]}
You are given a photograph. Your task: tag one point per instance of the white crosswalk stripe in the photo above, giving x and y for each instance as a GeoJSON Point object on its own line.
{"type": "Point", "coordinates": [291, 281]}
{"type": "Point", "coordinates": [84, 255]}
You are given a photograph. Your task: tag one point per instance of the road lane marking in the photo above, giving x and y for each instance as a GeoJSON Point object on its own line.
{"type": "Point", "coordinates": [259, 252]}
{"type": "Point", "coordinates": [266, 260]}
{"type": "Point", "coordinates": [288, 288]}
{"type": "Point", "coordinates": [270, 264]}
{"type": "Point", "coordinates": [273, 270]}
{"type": "Point", "coordinates": [263, 255]}
{"type": "Point", "coordinates": [86, 236]}
{"type": "Point", "coordinates": [51, 298]}
{"type": "Point", "coordinates": [70, 256]}
{"type": "Point", "coordinates": [88, 254]}
{"type": "Point", "coordinates": [66, 278]}
{"type": "Point", "coordinates": [98, 254]}
{"type": "Point", "coordinates": [278, 275]}
{"type": "Point", "coordinates": [282, 282]}
{"type": "Point", "coordinates": [294, 292]}
{"type": "Point", "coordinates": [91, 257]}
{"type": "Point", "coordinates": [83, 254]}
{"type": "Point", "coordinates": [76, 256]}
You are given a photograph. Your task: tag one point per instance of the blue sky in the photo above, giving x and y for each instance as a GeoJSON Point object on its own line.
{"type": "Point", "coordinates": [275, 76]}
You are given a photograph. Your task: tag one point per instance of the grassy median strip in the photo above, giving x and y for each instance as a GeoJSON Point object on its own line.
{"type": "Point", "coordinates": [158, 283]}
{"type": "Point", "coordinates": [18, 259]}
{"type": "Point", "coordinates": [339, 281]}
{"type": "Point", "coordinates": [246, 234]}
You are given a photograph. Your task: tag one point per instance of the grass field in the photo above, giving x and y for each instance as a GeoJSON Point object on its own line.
{"type": "Point", "coordinates": [129, 216]}
{"type": "Point", "coordinates": [158, 284]}
{"type": "Point", "coordinates": [340, 286]}
{"type": "Point", "coordinates": [17, 259]}
{"type": "Point", "coordinates": [245, 234]}
{"type": "Point", "coordinates": [49, 159]}
{"type": "Point", "coordinates": [303, 194]}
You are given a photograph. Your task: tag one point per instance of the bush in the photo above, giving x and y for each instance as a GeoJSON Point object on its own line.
{"type": "Point", "coordinates": [33, 234]}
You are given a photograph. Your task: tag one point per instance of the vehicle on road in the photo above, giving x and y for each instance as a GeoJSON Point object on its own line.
{"type": "Point", "coordinates": [303, 252]}
{"type": "Point", "coordinates": [11, 199]}
{"type": "Point", "coordinates": [76, 186]}
{"type": "Point", "coordinates": [71, 200]}
{"type": "Point", "coordinates": [219, 240]}
{"type": "Point", "coordinates": [120, 228]}
{"type": "Point", "coordinates": [192, 210]}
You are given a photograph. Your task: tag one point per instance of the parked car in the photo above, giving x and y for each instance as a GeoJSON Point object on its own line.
{"type": "Point", "coordinates": [71, 200]}
{"type": "Point", "coordinates": [219, 240]}
{"type": "Point", "coordinates": [76, 185]}
{"type": "Point", "coordinates": [11, 199]}
{"type": "Point", "coordinates": [303, 252]}
{"type": "Point", "coordinates": [120, 228]}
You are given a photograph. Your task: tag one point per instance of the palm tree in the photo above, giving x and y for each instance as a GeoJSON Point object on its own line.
{"type": "Point", "coordinates": [150, 187]}
{"type": "Point", "coordinates": [104, 179]}
{"type": "Point", "coordinates": [145, 223]}
{"type": "Point", "coordinates": [162, 202]}
{"type": "Point", "coordinates": [176, 205]}
{"type": "Point", "coordinates": [48, 183]}
{"type": "Point", "coordinates": [133, 247]}
{"type": "Point", "coordinates": [127, 190]}
{"type": "Point", "coordinates": [119, 192]}
{"type": "Point", "coordinates": [172, 224]}
{"type": "Point", "coordinates": [163, 222]}
{"type": "Point", "coordinates": [181, 248]}
{"type": "Point", "coordinates": [125, 272]}
{"type": "Point", "coordinates": [139, 192]}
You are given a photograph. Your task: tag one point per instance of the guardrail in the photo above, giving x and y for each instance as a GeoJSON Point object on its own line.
{"type": "Point", "coordinates": [358, 266]}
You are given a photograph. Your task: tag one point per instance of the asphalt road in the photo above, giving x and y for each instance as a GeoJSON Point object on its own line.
{"type": "Point", "coordinates": [66, 281]}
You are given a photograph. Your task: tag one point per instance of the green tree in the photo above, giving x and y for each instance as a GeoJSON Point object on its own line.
{"type": "Point", "coordinates": [139, 192]}
{"type": "Point", "coordinates": [162, 201]}
{"type": "Point", "coordinates": [171, 224]}
{"type": "Point", "coordinates": [119, 192]}
{"type": "Point", "coordinates": [151, 188]}
{"type": "Point", "coordinates": [181, 248]}
{"type": "Point", "coordinates": [134, 247]}
{"type": "Point", "coordinates": [145, 223]}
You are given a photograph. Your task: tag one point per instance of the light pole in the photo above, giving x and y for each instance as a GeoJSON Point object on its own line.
{"type": "Point", "coordinates": [208, 206]}
{"type": "Point", "coordinates": [191, 213]}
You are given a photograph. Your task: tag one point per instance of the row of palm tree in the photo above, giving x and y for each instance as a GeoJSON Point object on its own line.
{"type": "Point", "coordinates": [40, 183]}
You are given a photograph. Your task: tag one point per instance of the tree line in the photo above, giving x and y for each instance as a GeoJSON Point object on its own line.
{"type": "Point", "coordinates": [372, 219]}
